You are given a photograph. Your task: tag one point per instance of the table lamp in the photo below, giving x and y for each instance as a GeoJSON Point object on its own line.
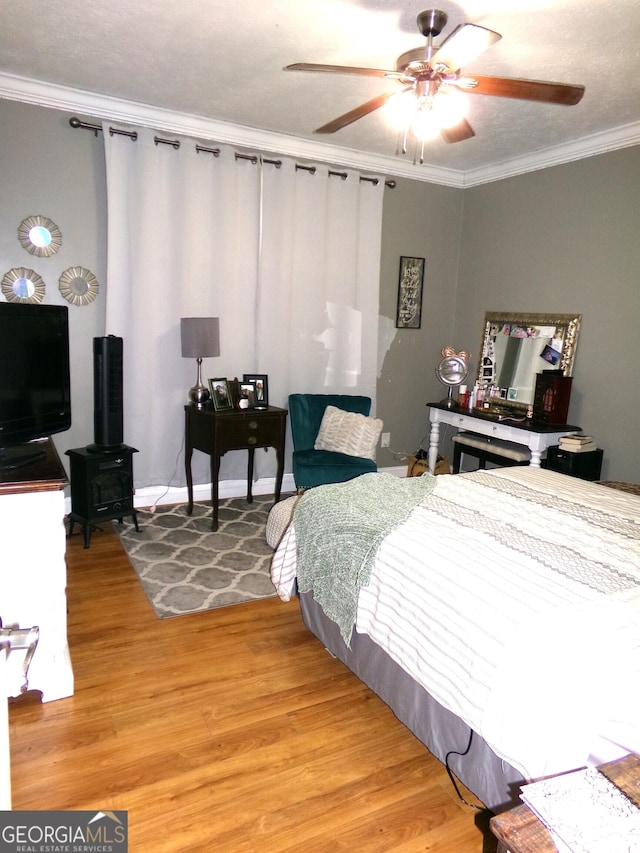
{"type": "Point", "coordinates": [200, 338]}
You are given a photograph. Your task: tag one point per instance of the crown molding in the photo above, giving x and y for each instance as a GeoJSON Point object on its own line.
{"type": "Point", "coordinates": [106, 108]}
{"type": "Point", "coordinates": [111, 109]}
{"type": "Point", "coordinates": [589, 146]}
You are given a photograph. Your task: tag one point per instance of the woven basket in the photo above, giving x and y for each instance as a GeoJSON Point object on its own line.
{"type": "Point", "coordinates": [416, 467]}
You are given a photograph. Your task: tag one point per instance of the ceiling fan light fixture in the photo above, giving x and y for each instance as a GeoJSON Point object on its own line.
{"type": "Point", "coordinates": [450, 107]}
{"type": "Point", "coordinates": [400, 110]}
{"type": "Point", "coordinates": [426, 125]}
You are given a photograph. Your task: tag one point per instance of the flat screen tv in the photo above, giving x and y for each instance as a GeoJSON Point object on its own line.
{"type": "Point", "coordinates": [35, 391]}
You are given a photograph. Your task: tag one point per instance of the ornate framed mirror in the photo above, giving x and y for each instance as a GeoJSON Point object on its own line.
{"type": "Point", "coordinates": [516, 347]}
{"type": "Point", "coordinates": [40, 236]}
{"type": "Point", "coordinates": [78, 285]}
{"type": "Point", "coordinates": [22, 285]}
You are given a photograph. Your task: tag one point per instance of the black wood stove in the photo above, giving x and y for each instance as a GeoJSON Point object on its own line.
{"type": "Point", "coordinates": [101, 487]}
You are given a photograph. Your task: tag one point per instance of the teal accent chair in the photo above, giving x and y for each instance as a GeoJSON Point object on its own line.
{"type": "Point", "coordinates": [319, 467]}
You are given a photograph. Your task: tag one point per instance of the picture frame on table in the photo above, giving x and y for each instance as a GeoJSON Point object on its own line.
{"type": "Point", "coordinates": [220, 394]}
{"type": "Point", "coordinates": [247, 396]}
{"type": "Point", "coordinates": [261, 383]}
{"type": "Point", "coordinates": [410, 282]}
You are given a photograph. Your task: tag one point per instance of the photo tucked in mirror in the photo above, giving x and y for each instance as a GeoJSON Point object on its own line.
{"type": "Point", "coordinates": [516, 347]}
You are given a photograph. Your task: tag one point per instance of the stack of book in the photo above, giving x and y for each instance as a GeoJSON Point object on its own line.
{"type": "Point", "coordinates": [577, 443]}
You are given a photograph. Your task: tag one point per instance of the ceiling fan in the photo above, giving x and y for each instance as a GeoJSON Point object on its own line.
{"type": "Point", "coordinates": [431, 98]}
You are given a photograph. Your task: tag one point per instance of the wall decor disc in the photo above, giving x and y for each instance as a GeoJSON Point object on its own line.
{"type": "Point", "coordinates": [78, 285]}
{"type": "Point", "coordinates": [22, 285]}
{"type": "Point", "coordinates": [40, 236]}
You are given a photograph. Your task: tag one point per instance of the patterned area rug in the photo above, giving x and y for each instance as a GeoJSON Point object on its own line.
{"type": "Point", "coordinates": [185, 567]}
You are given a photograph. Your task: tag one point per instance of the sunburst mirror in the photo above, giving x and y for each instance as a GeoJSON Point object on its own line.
{"type": "Point", "coordinates": [40, 236]}
{"type": "Point", "coordinates": [78, 285]}
{"type": "Point", "coordinates": [22, 285]}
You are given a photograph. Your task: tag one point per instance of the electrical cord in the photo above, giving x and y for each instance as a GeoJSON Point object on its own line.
{"type": "Point", "coordinates": [452, 777]}
{"type": "Point", "coordinates": [152, 508]}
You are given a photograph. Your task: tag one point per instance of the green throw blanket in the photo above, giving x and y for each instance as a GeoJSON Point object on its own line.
{"type": "Point", "coordinates": [338, 531]}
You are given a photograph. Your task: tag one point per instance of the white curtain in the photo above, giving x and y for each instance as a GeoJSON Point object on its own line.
{"type": "Point", "coordinates": [287, 259]}
{"type": "Point", "coordinates": [319, 280]}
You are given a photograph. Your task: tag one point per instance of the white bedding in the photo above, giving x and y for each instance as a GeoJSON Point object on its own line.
{"type": "Point", "coordinates": [513, 597]}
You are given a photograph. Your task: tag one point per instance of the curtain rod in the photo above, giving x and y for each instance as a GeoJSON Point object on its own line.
{"type": "Point", "coordinates": [78, 124]}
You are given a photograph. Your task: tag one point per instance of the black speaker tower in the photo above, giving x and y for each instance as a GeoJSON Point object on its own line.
{"type": "Point", "coordinates": [107, 394]}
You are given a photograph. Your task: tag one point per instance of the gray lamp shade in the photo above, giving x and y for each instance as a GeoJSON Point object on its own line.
{"type": "Point", "coordinates": [200, 337]}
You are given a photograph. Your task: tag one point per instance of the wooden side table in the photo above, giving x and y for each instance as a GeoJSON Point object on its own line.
{"type": "Point", "coordinates": [215, 433]}
{"type": "Point", "coordinates": [520, 831]}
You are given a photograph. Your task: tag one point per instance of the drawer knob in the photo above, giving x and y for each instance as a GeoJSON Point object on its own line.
{"type": "Point", "coordinates": [252, 440]}
{"type": "Point", "coordinates": [253, 424]}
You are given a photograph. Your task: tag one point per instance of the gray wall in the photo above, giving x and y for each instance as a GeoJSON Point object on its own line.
{"type": "Point", "coordinates": [563, 239]}
{"type": "Point", "coordinates": [49, 169]}
{"type": "Point", "coordinates": [424, 221]}
{"type": "Point", "coordinates": [567, 239]}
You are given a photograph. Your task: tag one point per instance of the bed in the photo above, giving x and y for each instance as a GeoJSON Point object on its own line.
{"type": "Point", "coordinates": [497, 613]}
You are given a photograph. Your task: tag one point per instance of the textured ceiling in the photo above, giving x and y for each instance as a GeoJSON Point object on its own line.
{"type": "Point", "coordinates": [223, 61]}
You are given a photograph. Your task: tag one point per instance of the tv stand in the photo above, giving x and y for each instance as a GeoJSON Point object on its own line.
{"type": "Point", "coordinates": [20, 455]}
{"type": "Point", "coordinates": [33, 573]}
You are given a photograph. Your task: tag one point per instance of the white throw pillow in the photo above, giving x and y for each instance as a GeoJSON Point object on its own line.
{"type": "Point", "coordinates": [349, 433]}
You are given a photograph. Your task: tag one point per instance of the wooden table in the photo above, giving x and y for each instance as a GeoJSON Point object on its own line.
{"type": "Point", "coordinates": [215, 433]}
{"type": "Point", "coordinates": [520, 831]}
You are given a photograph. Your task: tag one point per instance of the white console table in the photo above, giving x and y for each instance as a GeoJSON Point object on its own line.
{"type": "Point", "coordinates": [537, 437]}
{"type": "Point", "coordinates": [5, 763]}
{"type": "Point", "coordinates": [34, 572]}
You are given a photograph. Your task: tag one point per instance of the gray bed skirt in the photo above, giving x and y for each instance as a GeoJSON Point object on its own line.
{"type": "Point", "coordinates": [491, 779]}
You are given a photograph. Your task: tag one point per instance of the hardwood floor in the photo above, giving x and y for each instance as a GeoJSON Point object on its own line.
{"type": "Point", "coordinates": [231, 730]}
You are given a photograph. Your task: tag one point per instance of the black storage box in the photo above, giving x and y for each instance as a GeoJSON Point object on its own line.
{"type": "Point", "coordinates": [585, 465]}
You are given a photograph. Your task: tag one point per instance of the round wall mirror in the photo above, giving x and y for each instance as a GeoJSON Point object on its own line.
{"type": "Point", "coordinates": [78, 285]}
{"type": "Point", "coordinates": [40, 236]}
{"type": "Point", "coordinates": [22, 285]}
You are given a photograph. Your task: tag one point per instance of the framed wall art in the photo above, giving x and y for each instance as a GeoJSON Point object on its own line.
{"type": "Point", "coordinates": [409, 314]}
{"type": "Point", "coordinates": [220, 394]}
{"type": "Point", "coordinates": [261, 382]}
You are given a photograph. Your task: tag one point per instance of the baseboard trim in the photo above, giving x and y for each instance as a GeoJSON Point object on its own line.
{"type": "Point", "coordinates": [161, 495]}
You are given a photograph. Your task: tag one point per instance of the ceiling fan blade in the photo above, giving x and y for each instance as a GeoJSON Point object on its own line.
{"type": "Point", "coordinates": [464, 44]}
{"type": "Point", "coordinates": [354, 115]}
{"type": "Point", "coordinates": [566, 94]}
{"type": "Point", "coordinates": [342, 69]}
{"type": "Point", "coordinates": [458, 133]}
